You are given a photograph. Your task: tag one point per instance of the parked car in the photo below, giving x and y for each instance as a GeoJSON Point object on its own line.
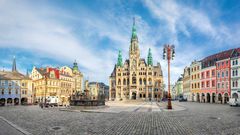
{"type": "Point", "coordinates": [182, 99]}
{"type": "Point", "coordinates": [234, 102]}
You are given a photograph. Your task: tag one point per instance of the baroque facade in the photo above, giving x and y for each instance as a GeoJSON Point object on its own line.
{"type": "Point", "coordinates": [135, 78]}
{"type": "Point", "coordinates": [56, 83]}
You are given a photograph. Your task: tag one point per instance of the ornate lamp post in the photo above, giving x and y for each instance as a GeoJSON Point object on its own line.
{"type": "Point", "coordinates": [169, 53]}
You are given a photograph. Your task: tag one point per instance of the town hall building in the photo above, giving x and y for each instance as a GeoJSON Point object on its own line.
{"type": "Point", "coordinates": [136, 78]}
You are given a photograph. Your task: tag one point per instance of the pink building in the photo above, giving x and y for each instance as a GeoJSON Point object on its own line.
{"type": "Point", "coordinates": [223, 68]}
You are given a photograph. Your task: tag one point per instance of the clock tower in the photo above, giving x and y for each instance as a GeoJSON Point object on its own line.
{"type": "Point", "coordinates": [134, 53]}
{"type": "Point", "coordinates": [134, 56]}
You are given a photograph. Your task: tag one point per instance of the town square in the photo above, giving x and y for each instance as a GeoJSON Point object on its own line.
{"type": "Point", "coordinates": [119, 67]}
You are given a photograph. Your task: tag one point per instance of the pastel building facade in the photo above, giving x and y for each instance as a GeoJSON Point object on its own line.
{"type": "Point", "coordinates": [15, 88]}
{"type": "Point", "coordinates": [235, 74]}
{"type": "Point", "coordinates": [56, 83]}
{"type": "Point", "coordinates": [223, 80]}
{"type": "Point", "coordinates": [195, 80]}
{"type": "Point", "coordinates": [186, 83]}
{"type": "Point", "coordinates": [218, 79]}
{"type": "Point", "coordinates": [208, 79]}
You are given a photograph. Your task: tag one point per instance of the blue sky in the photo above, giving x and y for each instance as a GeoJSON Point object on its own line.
{"type": "Point", "coordinates": [55, 33]}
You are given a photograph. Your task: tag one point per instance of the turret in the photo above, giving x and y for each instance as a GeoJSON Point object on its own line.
{"type": "Point", "coordinates": [14, 66]}
{"type": "Point", "coordinates": [119, 62]}
{"type": "Point", "coordinates": [149, 58]}
{"type": "Point", "coordinates": [75, 67]}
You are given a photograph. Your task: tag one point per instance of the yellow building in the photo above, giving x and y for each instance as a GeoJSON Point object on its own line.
{"type": "Point", "coordinates": [135, 78]}
{"type": "Point", "coordinates": [186, 83]}
{"type": "Point", "coordinates": [56, 84]}
{"type": "Point", "coordinates": [195, 80]}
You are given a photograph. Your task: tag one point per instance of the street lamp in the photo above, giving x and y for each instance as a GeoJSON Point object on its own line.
{"type": "Point", "coordinates": [168, 54]}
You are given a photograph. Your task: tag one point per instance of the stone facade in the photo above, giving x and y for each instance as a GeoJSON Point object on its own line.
{"type": "Point", "coordinates": [135, 78]}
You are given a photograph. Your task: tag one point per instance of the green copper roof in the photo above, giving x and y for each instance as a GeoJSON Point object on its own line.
{"type": "Point", "coordinates": [149, 59]}
{"type": "Point", "coordinates": [119, 62]}
{"type": "Point", "coordinates": [75, 67]}
{"type": "Point", "coordinates": [134, 30]}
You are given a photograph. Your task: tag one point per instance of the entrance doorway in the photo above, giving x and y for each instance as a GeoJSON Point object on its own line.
{"type": "Point", "coordinates": [213, 97]}
{"type": "Point", "coordinates": [208, 98]}
{"type": "Point", "coordinates": [220, 98]}
{"type": "Point", "coordinates": [226, 98]}
{"type": "Point", "coordinates": [134, 95]}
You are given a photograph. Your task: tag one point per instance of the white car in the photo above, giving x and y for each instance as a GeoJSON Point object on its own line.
{"type": "Point", "coordinates": [234, 102]}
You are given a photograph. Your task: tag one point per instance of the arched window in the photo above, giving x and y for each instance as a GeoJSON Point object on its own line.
{"type": "Point", "coordinates": [144, 81]}
{"type": "Point", "coordinates": [149, 81]}
{"type": "Point", "coordinates": [133, 80]}
{"type": "Point", "coordinates": [127, 81]}
{"type": "Point", "coordinates": [124, 81]}
{"type": "Point", "coordinates": [119, 82]}
{"type": "Point", "coordinates": [140, 81]}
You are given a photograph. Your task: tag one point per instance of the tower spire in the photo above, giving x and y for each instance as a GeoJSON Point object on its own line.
{"type": "Point", "coordinates": [14, 66]}
{"type": "Point", "coordinates": [119, 62]}
{"type": "Point", "coordinates": [149, 59]}
{"type": "Point", "coordinates": [134, 30]}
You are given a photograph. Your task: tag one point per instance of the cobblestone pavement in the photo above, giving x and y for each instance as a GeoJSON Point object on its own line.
{"type": "Point", "coordinates": [197, 118]}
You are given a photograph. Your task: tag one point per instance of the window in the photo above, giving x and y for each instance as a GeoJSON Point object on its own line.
{"type": "Point", "coordinates": [218, 74]}
{"type": "Point", "coordinates": [226, 73]}
{"type": "Point", "coordinates": [222, 63]}
{"type": "Point", "coordinates": [2, 91]}
{"type": "Point", "coordinates": [2, 83]}
{"type": "Point", "coordinates": [218, 85]}
{"type": "Point", "coordinates": [119, 82]}
{"type": "Point", "coordinates": [140, 81]}
{"type": "Point", "coordinates": [222, 74]}
{"type": "Point", "coordinates": [16, 90]}
{"type": "Point", "coordinates": [226, 62]}
{"type": "Point", "coordinates": [233, 62]}
{"type": "Point", "coordinates": [233, 73]}
{"type": "Point", "coordinates": [207, 83]}
{"type": "Point", "coordinates": [226, 84]}
{"type": "Point", "coordinates": [236, 62]}
{"type": "Point", "coordinates": [222, 85]}
{"type": "Point", "coordinates": [9, 91]}
{"type": "Point", "coordinates": [150, 81]}
{"type": "Point", "coordinates": [207, 73]}
{"type": "Point", "coordinates": [202, 75]}
{"type": "Point", "coordinates": [213, 83]}
{"type": "Point", "coordinates": [213, 73]}
{"type": "Point", "coordinates": [9, 83]}
{"type": "Point", "coordinates": [198, 85]}
{"type": "Point", "coordinates": [124, 81]}
{"type": "Point", "coordinates": [134, 80]}
{"type": "Point", "coordinates": [202, 84]}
